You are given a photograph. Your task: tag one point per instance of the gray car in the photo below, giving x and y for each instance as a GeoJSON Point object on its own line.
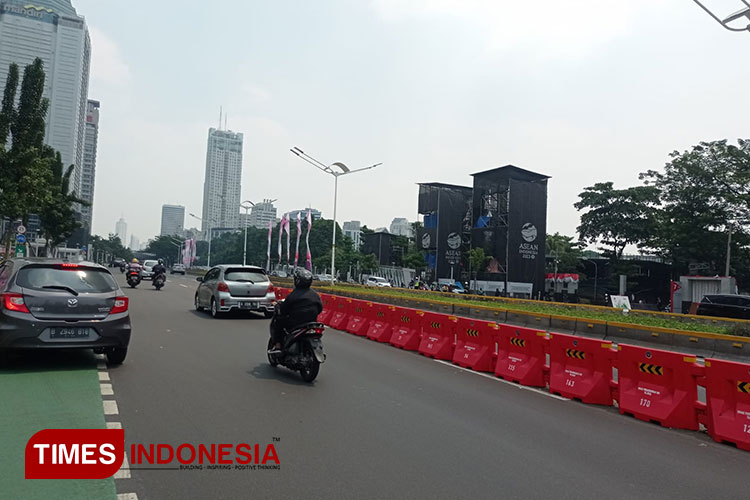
{"type": "Point", "coordinates": [51, 304]}
{"type": "Point", "coordinates": [226, 288]}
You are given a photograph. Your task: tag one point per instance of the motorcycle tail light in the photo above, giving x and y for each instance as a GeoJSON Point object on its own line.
{"type": "Point", "coordinates": [14, 302]}
{"type": "Point", "coordinates": [222, 287]}
{"type": "Point", "coordinates": [319, 330]}
{"type": "Point", "coordinates": [120, 306]}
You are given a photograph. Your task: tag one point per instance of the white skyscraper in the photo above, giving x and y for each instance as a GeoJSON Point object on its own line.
{"type": "Point", "coordinates": [402, 227]}
{"type": "Point", "coordinates": [221, 187]}
{"type": "Point", "coordinates": [88, 172]}
{"type": "Point", "coordinates": [121, 230]}
{"type": "Point", "coordinates": [353, 229]}
{"type": "Point", "coordinates": [54, 32]}
{"type": "Point", "coordinates": [261, 214]}
{"type": "Point", "coordinates": [135, 243]}
{"type": "Point", "coordinates": [172, 220]}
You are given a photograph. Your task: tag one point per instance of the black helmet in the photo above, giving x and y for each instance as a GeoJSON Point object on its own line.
{"type": "Point", "coordinates": [302, 278]}
{"type": "Point", "coordinates": [161, 262]}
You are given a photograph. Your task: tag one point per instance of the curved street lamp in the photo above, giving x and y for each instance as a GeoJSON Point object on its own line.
{"type": "Point", "coordinates": [730, 22]}
{"type": "Point", "coordinates": [246, 205]}
{"type": "Point", "coordinates": [342, 170]}
{"type": "Point", "coordinates": [210, 221]}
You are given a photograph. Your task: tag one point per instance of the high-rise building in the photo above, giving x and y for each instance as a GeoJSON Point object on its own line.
{"type": "Point", "coordinates": [135, 243]}
{"type": "Point", "coordinates": [402, 227]}
{"type": "Point", "coordinates": [52, 31]}
{"type": "Point", "coordinates": [121, 230]}
{"type": "Point", "coordinates": [353, 229]}
{"type": "Point", "coordinates": [88, 172]}
{"type": "Point", "coordinates": [172, 220]}
{"type": "Point", "coordinates": [261, 214]}
{"type": "Point", "coordinates": [315, 214]}
{"type": "Point", "coordinates": [221, 186]}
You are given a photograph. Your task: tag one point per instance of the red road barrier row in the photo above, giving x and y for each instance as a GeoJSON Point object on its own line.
{"type": "Point", "coordinates": [653, 385]}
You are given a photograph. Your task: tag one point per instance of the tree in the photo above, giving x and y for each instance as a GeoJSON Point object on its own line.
{"type": "Point", "coordinates": [705, 193]}
{"type": "Point", "coordinates": [617, 217]}
{"type": "Point", "coordinates": [165, 247]}
{"type": "Point", "coordinates": [565, 251]}
{"type": "Point", "coordinates": [369, 263]}
{"type": "Point", "coordinates": [110, 247]}
{"type": "Point", "coordinates": [57, 218]}
{"type": "Point", "coordinates": [478, 260]}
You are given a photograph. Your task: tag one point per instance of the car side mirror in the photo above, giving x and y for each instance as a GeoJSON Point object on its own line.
{"type": "Point", "coordinates": [199, 278]}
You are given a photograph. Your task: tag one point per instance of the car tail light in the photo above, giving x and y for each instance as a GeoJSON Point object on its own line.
{"type": "Point", "coordinates": [14, 302]}
{"type": "Point", "coordinates": [270, 288]}
{"type": "Point", "coordinates": [222, 287]}
{"type": "Point", "coordinates": [121, 305]}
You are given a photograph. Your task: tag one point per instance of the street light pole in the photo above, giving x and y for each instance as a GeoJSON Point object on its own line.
{"type": "Point", "coordinates": [246, 205]}
{"type": "Point", "coordinates": [208, 223]}
{"type": "Point", "coordinates": [728, 21]}
{"type": "Point", "coordinates": [344, 170]}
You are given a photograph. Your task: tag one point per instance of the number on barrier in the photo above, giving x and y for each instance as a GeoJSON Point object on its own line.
{"type": "Point", "coordinates": [570, 383]}
{"type": "Point", "coordinates": [746, 428]}
{"type": "Point", "coordinates": [645, 403]}
{"type": "Point", "coordinates": [512, 367]}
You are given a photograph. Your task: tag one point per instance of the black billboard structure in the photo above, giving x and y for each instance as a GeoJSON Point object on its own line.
{"type": "Point", "coordinates": [510, 223]}
{"type": "Point", "coordinates": [445, 236]}
{"type": "Point", "coordinates": [379, 244]}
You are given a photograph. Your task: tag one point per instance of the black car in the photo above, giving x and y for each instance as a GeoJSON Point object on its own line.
{"type": "Point", "coordinates": [51, 304]}
{"type": "Point", "coordinates": [725, 306]}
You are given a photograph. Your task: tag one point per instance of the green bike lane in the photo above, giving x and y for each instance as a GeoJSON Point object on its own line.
{"type": "Point", "coordinates": [48, 390]}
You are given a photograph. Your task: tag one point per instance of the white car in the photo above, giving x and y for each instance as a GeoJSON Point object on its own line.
{"type": "Point", "coordinates": [377, 281]}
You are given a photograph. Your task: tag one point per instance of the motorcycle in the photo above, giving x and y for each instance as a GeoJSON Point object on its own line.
{"type": "Point", "coordinates": [134, 277]}
{"type": "Point", "coordinates": [302, 349]}
{"type": "Point", "coordinates": [158, 281]}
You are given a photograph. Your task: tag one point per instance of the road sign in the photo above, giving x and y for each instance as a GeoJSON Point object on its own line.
{"type": "Point", "coordinates": [21, 238]}
{"type": "Point", "coordinates": [20, 250]}
{"type": "Point", "coordinates": [21, 229]}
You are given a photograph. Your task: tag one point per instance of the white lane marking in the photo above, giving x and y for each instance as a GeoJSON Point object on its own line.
{"type": "Point", "coordinates": [492, 377]}
{"type": "Point", "coordinates": [106, 389]}
{"type": "Point", "coordinates": [110, 407]}
{"type": "Point", "coordinates": [127, 496]}
{"type": "Point", "coordinates": [124, 472]}
{"type": "Point", "coordinates": [114, 425]}
{"type": "Point", "coordinates": [183, 285]}
{"type": "Point", "coordinates": [103, 376]}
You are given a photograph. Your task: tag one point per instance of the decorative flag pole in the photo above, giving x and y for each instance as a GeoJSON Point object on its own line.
{"type": "Point", "coordinates": [308, 264]}
{"type": "Point", "coordinates": [299, 233]}
{"type": "Point", "coordinates": [281, 232]}
{"type": "Point", "coordinates": [288, 258]}
{"type": "Point", "coordinates": [268, 251]}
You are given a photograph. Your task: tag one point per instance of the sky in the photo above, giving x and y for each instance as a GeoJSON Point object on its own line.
{"type": "Point", "coordinates": [584, 91]}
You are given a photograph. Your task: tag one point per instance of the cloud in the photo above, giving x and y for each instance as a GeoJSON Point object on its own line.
{"type": "Point", "coordinates": [570, 28]}
{"type": "Point", "coordinates": [107, 64]}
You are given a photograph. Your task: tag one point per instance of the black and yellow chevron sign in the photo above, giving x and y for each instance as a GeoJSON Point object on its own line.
{"type": "Point", "coordinates": [572, 353]}
{"type": "Point", "coordinates": [518, 342]}
{"type": "Point", "coordinates": [405, 319]}
{"type": "Point", "coordinates": [435, 324]}
{"type": "Point", "coordinates": [652, 369]}
{"type": "Point", "coordinates": [472, 333]}
{"type": "Point", "coordinates": [743, 387]}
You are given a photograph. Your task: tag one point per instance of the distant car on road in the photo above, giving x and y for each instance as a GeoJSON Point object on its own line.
{"type": "Point", "coordinates": [118, 262]}
{"type": "Point", "coordinates": [377, 281]}
{"type": "Point", "coordinates": [177, 269]}
{"type": "Point", "coordinates": [148, 265]}
{"type": "Point", "coordinates": [725, 306]}
{"type": "Point", "coordinates": [52, 304]}
{"type": "Point", "coordinates": [235, 287]}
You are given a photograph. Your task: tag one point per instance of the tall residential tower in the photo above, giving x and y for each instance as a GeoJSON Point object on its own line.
{"type": "Point", "coordinates": [221, 187]}
{"type": "Point", "coordinates": [88, 172]}
{"type": "Point", "coordinates": [172, 220]}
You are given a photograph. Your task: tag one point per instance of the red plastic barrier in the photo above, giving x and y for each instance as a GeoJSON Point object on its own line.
{"type": "Point", "coordinates": [341, 309]}
{"type": "Point", "coordinates": [438, 336]}
{"type": "Point", "coordinates": [581, 368]}
{"type": "Point", "coordinates": [521, 356]}
{"type": "Point", "coordinates": [359, 321]}
{"type": "Point", "coordinates": [659, 386]}
{"type": "Point", "coordinates": [728, 397]}
{"type": "Point", "coordinates": [381, 324]}
{"type": "Point", "coordinates": [475, 344]}
{"type": "Point", "coordinates": [406, 328]}
{"type": "Point", "coordinates": [329, 304]}
{"type": "Point", "coordinates": [281, 293]}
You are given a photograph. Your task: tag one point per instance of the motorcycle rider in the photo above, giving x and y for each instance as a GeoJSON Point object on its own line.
{"type": "Point", "coordinates": [134, 265]}
{"type": "Point", "coordinates": [301, 306]}
{"type": "Point", "coordinates": [159, 268]}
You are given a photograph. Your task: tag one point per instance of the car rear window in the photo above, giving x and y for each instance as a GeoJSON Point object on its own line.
{"type": "Point", "coordinates": [150, 263]}
{"type": "Point", "coordinates": [80, 279]}
{"type": "Point", "coordinates": [240, 274]}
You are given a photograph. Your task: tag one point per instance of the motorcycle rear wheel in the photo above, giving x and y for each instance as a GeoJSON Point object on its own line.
{"type": "Point", "coordinates": [309, 374]}
{"type": "Point", "coordinates": [271, 359]}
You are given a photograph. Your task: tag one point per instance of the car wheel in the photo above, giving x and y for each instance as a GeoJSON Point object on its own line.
{"type": "Point", "coordinates": [215, 309]}
{"type": "Point", "coordinates": [198, 306]}
{"type": "Point", "coordinates": [116, 355]}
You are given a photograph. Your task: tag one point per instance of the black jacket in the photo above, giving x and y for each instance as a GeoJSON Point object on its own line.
{"type": "Point", "coordinates": [159, 269]}
{"type": "Point", "coordinates": [300, 307]}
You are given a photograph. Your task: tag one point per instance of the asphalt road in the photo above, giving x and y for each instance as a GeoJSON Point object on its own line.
{"type": "Point", "coordinates": [382, 423]}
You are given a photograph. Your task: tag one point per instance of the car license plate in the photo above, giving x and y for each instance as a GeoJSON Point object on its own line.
{"type": "Point", "coordinates": [69, 333]}
{"type": "Point", "coordinates": [248, 305]}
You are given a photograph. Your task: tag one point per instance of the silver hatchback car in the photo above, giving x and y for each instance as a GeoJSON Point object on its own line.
{"type": "Point", "coordinates": [226, 288]}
